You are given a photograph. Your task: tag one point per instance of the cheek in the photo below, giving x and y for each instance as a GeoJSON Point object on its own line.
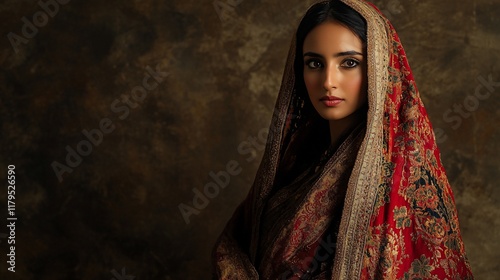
{"type": "Point", "coordinates": [311, 82]}
{"type": "Point", "coordinates": [353, 84]}
{"type": "Point", "coordinates": [354, 87]}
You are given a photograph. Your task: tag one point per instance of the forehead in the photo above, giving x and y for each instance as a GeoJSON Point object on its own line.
{"type": "Point", "coordinates": [331, 37]}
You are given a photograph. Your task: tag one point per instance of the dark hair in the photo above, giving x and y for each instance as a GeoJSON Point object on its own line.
{"type": "Point", "coordinates": [313, 138]}
{"type": "Point", "coordinates": [319, 13]}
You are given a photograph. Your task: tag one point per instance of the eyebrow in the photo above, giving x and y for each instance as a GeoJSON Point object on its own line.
{"type": "Point", "coordinates": [335, 55]}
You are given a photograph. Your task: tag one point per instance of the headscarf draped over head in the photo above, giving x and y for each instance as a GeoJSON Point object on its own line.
{"type": "Point", "coordinates": [399, 219]}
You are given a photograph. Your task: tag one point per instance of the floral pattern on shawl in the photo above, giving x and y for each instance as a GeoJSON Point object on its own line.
{"type": "Point", "coordinates": [399, 220]}
{"type": "Point", "coordinates": [414, 231]}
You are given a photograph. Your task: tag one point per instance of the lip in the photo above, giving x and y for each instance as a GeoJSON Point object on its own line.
{"type": "Point", "coordinates": [331, 101]}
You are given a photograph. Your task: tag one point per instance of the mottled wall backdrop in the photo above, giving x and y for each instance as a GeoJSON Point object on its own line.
{"type": "Point", "coordinates": [114, 111]}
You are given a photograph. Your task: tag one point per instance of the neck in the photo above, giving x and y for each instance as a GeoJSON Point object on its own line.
{"type": "Point", "coordinates": [339, 128]}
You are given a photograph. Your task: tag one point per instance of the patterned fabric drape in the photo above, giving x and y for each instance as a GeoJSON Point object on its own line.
{"type": "Point", "coordinates": [398, 217]}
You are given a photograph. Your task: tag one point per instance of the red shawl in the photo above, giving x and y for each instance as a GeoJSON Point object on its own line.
{"type": "Point", "coordinates": [397, 216]}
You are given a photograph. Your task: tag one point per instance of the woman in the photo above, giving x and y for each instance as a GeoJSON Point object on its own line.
{"type": "Point", "coordinates": [351, 185]}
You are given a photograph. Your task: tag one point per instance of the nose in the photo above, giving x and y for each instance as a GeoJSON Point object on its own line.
{"type": "Point", "coordinates": [331, 77]}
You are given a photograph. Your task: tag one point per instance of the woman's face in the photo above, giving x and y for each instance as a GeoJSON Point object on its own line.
{"type": "Point", "coordinates": [334, 71]}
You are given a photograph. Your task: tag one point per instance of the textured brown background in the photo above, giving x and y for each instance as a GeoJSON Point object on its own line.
{"type": "Point", "coordinates": [119, 207]}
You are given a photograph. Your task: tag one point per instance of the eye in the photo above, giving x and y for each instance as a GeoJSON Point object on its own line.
{"type": "Point", "coordinates": [313, 64]}
{"type": "Point", "coordinates": [350, 63]}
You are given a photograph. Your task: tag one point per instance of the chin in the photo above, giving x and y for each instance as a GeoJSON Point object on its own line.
{"type": "Point", "coordinates": [333, 116]}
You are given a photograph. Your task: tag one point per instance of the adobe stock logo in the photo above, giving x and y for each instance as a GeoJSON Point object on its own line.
{"type": "Point", "coordinates": [122, 276]}
{"type": "Point", "coordinates": [467, 107]}
{"type": "Point", "coordinates": [39, 19]}
{"type": "Point", "coordinates": [226, 10]}
{"type": "Point", "coordinates": [324, 251]}
{"type": "Point", "coordinates": [221, 179]}
{"type": "Point", "coordinates": [122, 106]}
